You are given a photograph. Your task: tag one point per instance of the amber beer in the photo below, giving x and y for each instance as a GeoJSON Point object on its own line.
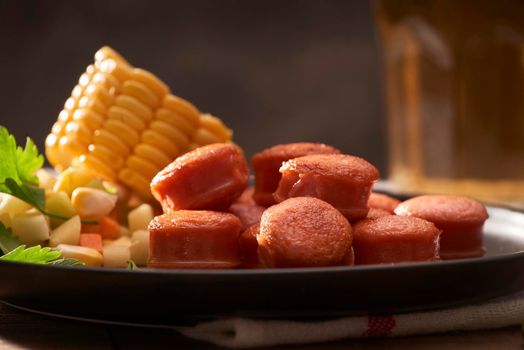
{"type": "Point", "coordinates": [454, 79]}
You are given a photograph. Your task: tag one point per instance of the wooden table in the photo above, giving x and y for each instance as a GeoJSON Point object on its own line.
{"type": "Point", "coordinates": [23, 330]}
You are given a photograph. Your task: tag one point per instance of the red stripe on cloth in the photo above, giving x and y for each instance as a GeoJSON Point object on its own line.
{"type": "Point", "coordinates": [380, 326]}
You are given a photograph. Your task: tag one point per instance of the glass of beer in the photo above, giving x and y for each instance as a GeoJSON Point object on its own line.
{"type": "Point", "coordinates": [454, 79]}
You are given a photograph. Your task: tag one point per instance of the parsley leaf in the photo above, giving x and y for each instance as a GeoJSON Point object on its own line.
{"type": "Point", "coordinates": [8, 242]}
{"type": "Point", "coordinates": [19, 164]}
{"type": "Point", "coordinates": [35, 255]}
{"type": "Point", "coordinates": [67, 262]}
{"type": "Point", "coordinates": [39, 255]}
{"type": "Point", "coordinates": [28, 162]}
{"type": "Point", "coordinates": [131, 265]}
{"type": "Point", "coordinates": [31, 194]}
{"type": "Point", "coordinates": [8, 163]}
{"type": "Point", "coordinates": [17, 170]}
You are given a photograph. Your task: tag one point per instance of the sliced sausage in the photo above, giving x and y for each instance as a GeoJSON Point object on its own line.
{"type": "Point", "coordinates": [382, 201]}
{"type": "Point", "coordinates": [247, 196]}
{"type": "Point", "coordinates": [393, 239]}
{"type": "Point", "coordinates": [461, 220]}
{"type": "Point", "coordinates": [342, 180]}
{"type": "Point", "coordinates": [194, 239]}
{"type": "Point", "coordinates": [374, 213]}
{"type": "Point", "coordinates": [267, 163]}
{"type": "Point", "coordinates": [303, 232]}
{"type": "Point", "coordinates": [248, 214]}
{"type": "Point", "coordinates": [209, 177]}
{"type": "Point", "coordinates": [249, 246]}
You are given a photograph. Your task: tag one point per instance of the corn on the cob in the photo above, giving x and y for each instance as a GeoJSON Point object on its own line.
{"type": "Point", "coordinates": [125, 125]}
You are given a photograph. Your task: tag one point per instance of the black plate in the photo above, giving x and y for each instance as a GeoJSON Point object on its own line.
{"type": "Point", "coordinates": [183, 297]}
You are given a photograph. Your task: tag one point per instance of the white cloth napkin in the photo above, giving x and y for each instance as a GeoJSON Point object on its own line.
{"type": "Point", "coordinates": [250, 333]}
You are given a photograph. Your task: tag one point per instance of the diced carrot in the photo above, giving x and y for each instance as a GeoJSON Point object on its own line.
{"type": "Point", "coordinates": [91, 240]}
{"type": "Point", "coordinates": [90, 228]}
{"type": "Point", "coordinates": [109, 228]}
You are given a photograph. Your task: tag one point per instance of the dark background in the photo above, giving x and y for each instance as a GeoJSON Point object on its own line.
{"type": "Point", "coordinates": [274, 71]}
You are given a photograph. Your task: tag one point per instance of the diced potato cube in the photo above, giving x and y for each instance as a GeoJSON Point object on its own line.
{"type": "Point", "coordinates": [140, 217]}
{"type": "Point", "coordinates": [123, 241]}
{"type": "Point", "coordinates": [46, 180]}
{"type": "Point", "coordinates": [140, 247]}
{"type": "Point", "coordinates": [88, 256]}
{"type": "Point", "coordinates": [31, 227]}
{"type": "Point", "coordinates": [67, 233]}
{"type": "Point", "coordinates": [12, 205]}
{"type": "Point", "coordinates": [59, 203]}
{"type": "Point", "coordinates": [91, 203]}
{"type": "Point", "coordinates": [116, 255]}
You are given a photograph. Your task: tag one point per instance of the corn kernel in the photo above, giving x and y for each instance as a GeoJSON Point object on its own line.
{"type": "Point", "coordinates": [72, 178]}
{"type": "Point", "coordinates": [153, 154]}
{"type": "Point", "coordinates": [142, 166]}
{"type": "Point", "coordinates": [141, 92]}
{"type": "Point", "coordinates": [88, 256]}
{"type": "Point", "coordinates": [150, 81]}
{"type": "Point", "coordinates": [91, 203]}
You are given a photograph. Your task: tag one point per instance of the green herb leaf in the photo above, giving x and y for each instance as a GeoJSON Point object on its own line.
{"type": "Point", "coordinates": [19, 164]}
{"type": "Point", "coordinates": [39, 255]}
{"type": "Point", "coordinates": [131, 265]}
{"type": "Point", "coordinates": [17, 170]}
{"type": "Point", "coordinates": [8, 163]}
{"type": "Point", "coordinates": [8, 242]}
{"type": "Point", "coordinates": [35, 255]}
{"type": "Point", "coordinates": [28, 193]}
{"type": "Point", "coordinates": [28, 162]}
{"type": "Point", "coordinates": [18, 167]}
{"type": "Point", "coordinates": [67, 262]}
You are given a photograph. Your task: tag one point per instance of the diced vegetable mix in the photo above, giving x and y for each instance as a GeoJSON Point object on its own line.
{"type": "Point", "coordinates": [68, 219]}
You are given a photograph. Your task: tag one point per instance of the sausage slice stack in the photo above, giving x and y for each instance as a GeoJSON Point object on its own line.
{"type": "Point", "coordinates": [311, 206]}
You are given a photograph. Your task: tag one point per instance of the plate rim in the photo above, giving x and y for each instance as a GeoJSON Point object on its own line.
{"type": "Point", "coordinates": [285, 270]}
{"type": "Point", "coordinates": [290, 277]}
